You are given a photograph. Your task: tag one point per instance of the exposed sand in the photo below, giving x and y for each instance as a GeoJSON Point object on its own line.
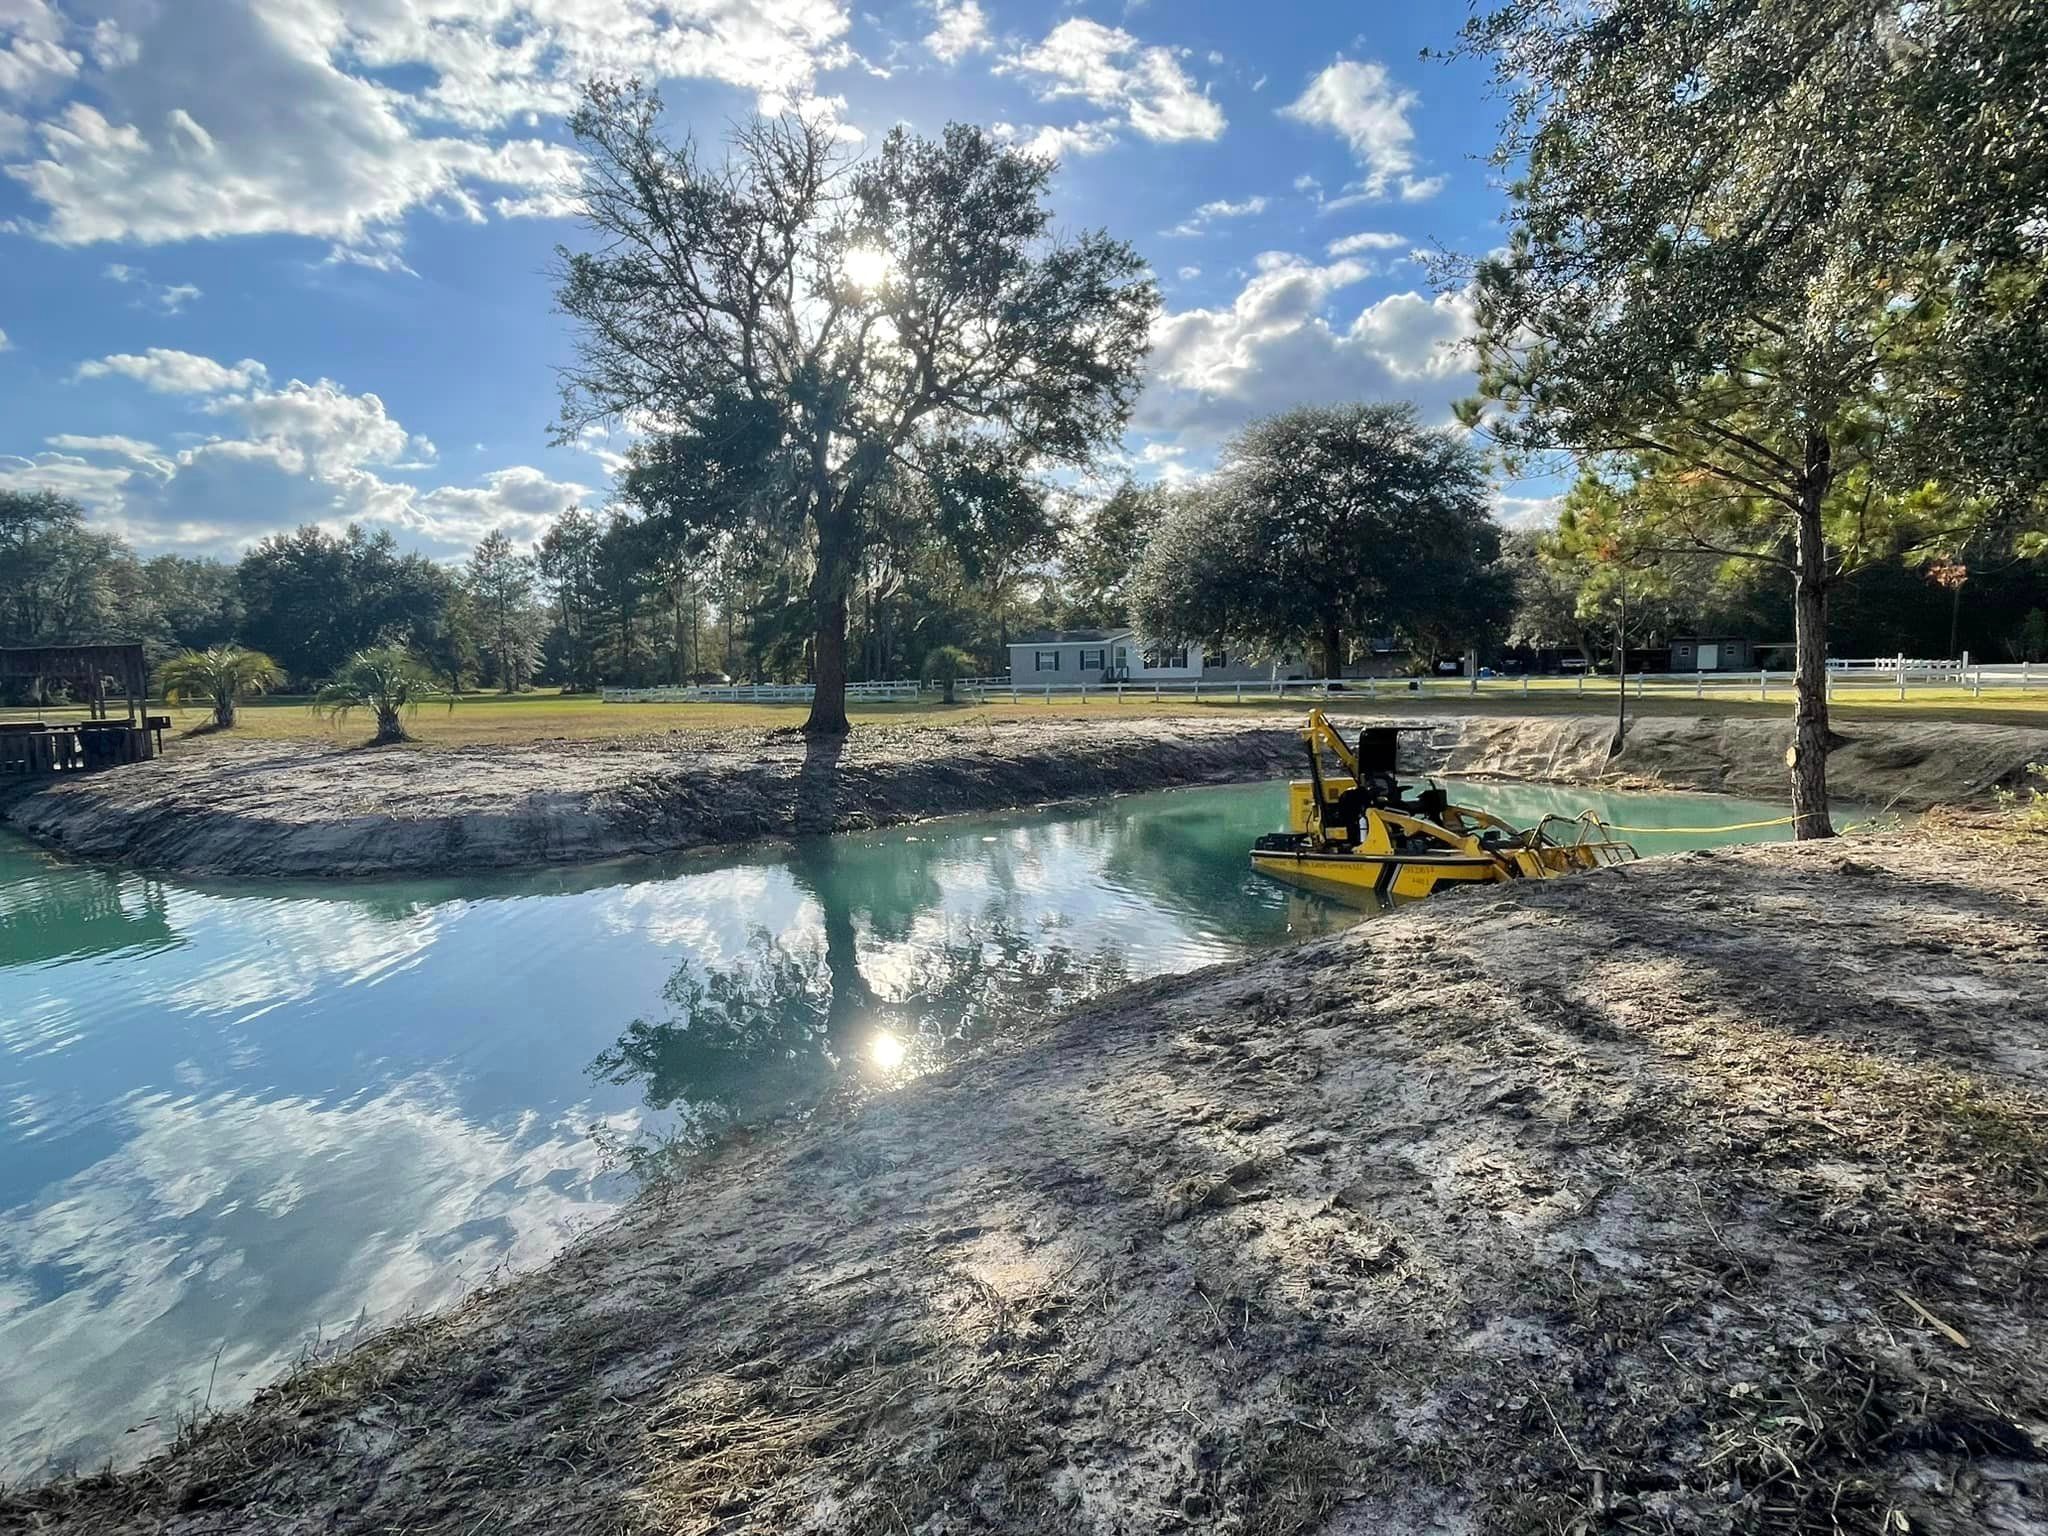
{"type": "Point", "coordinates": [266, 808]}
{"type": "Point", "coordinates": [1701, 1195]}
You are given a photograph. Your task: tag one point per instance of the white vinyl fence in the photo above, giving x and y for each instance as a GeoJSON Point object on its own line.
{"type": "Point", "coordinates": [1869, 678]}
{"type": "Point", "coordinates": [754, 693]}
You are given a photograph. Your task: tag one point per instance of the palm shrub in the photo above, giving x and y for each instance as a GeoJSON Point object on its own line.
{"type": "Point", "coordinates": [386, 679]}
{"type": "Point", "coordinates": [220, 675]}
{"type": "Point", "coordinates": [946, 666]}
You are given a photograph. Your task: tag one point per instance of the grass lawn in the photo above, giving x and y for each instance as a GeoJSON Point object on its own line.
{"type": "Point", "coordinates": [535, 717]}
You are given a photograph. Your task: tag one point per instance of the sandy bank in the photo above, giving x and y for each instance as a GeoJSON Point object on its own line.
{"type": "Point", "coordinates": [289, 809]}
{"type": "Point", "coordinates": [268, 808]}
{"type": "Point", "coordinates": [1703, 1195]}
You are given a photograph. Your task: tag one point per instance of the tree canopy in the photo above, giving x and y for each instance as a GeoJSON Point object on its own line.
{"type": "Point", "coordinates": [1326, 527]}
{"type": "Point", "coordinates": [790, 330]}
{"type": "Point", "coordinates": [1715, 289]}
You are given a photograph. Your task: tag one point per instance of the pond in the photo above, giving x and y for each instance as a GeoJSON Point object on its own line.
{"type": "Point", "coordinates": [240, 1122]}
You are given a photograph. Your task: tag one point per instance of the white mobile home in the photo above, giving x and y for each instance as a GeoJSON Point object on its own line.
{"type": "Point", "coordinates": [1092, 656]}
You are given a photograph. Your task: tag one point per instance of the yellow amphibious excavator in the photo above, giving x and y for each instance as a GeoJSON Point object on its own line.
{"type": "Point", "coordinates": [1359, 830]}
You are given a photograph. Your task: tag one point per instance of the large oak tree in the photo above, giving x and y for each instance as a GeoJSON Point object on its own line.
{"type": "Point", "coordinates": [1323, 528]}
{"type": "Point", "coordinates": [788, 328]}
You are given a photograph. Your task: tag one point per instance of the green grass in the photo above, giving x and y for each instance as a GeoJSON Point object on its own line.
{"type": "Point", "coordinates": [489, 718]}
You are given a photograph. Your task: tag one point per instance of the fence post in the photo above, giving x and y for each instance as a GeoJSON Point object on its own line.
{"type": "Point", "coordinates": [1198, 690]}
{"type": "Point", "coordinates": [1475, 682]}
{"type": "Point", "coordinates": [1240, 693]}
{"type": "Point", "coordinates": [1963, 675]}
{"type": "Point", "coordinates": [1900, 663]}
{"type": "Point", "coordinates": [1119, 693]}
{"type": "Point", "coordinates": [2023, 677]}
{"type": "Point", "coordinates": [1084, 693]}
{"type": "Point", "coordinates": [1642, 682]}
{"type": "Point", "coordinates": [1763, 686]}
{"type": "Point", "coordinates": [1155, 693]}
{"type": "Point", "coordinates": [1013, 690]}
{"type": "Point", "coordinates": [1582, 682]}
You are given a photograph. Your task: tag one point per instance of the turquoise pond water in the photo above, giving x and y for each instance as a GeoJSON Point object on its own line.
{"type": "Point", "coordinates": [242, 1120]}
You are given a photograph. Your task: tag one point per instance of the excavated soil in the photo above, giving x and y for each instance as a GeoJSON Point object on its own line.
{"type": "Point", "coordinates": [1701, 1195]}
{"type": "Point", "coordinates": [295, 809]}
{"type": "Point", "coordinates": [274, 808]}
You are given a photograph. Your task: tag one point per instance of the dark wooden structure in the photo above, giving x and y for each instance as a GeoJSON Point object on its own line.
{"type": "Point", "coordinates": [98, 741]}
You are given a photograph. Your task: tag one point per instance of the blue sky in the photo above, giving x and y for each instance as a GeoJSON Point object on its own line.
{"type": "Point", "coordinates": [265, 262]}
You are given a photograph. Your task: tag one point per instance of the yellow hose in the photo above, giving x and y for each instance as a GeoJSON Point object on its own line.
{"type": "Point", "coordinates": [1739, 826]}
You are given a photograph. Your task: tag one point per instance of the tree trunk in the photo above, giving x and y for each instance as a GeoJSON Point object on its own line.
{"type": "Point", "coordinates": [831, 588]}
{"type": "Point", "coordinates": [389, 726]}
{"type": "Point", "coordinates": [224, 713]}
{"type": "Point", "coordinates": [1810, 733]}
{"type": "Point", "coordinates": [1333, 653]}
{"type": "Point", "coordinates": [828, 702]}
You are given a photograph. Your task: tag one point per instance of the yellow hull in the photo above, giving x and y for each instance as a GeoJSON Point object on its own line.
{"type": "Point", "coordinates": [1358, 833]}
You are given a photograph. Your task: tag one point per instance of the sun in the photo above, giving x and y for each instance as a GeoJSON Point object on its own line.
{"type": "Point", "coordinates": [886, 1051]}
{"type": "Point", "coordinates": [867, 266]}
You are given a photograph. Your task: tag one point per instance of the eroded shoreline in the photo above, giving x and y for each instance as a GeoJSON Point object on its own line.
{"type": "Point", "coordinates": [263, 809]}
{"type": "Point", "coordinates": [1717, 1176]}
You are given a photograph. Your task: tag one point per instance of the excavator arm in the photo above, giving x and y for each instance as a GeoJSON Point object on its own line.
{"type": "Point", "coordinates": [1320, 734]}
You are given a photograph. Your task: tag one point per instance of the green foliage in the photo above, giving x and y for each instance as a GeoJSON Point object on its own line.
{"type": "Point", "coordinates": [2029, 803]}
{"type": "Point", "coordinates": [499, 583]}
{"type": "Point", "coordinates": [1325, 527]}
{"type": "Point", "coordinates": [312, 599]}
{"type": "Point", "coordinates": [813, 330]}
{"type": "Point", "coordinates": [1723, 287]}
{"type": "Point", "coordinates": [387, 680]}
{"type": "Point", "coordinates": [221, 675]}
{"type": "Point", "coordinates": [946, 666]}
{"type": "Point", "coordinates": [1100, 556]}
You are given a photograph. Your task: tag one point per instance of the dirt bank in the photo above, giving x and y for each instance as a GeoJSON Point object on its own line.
{"type": "Point", "coordinates": [1911, 764]}
{"type": "Point", "coordinates": [289, 809]}
{"type": "Point", "coordinates": [1703, 1195]}
{"type": "Point", "coordinates": [270, 808]}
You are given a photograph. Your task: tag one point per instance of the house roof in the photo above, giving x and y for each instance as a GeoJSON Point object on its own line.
{"type": "Point", "coordinates": [1071, 637]}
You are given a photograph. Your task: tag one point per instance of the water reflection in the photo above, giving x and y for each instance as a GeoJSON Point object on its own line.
{"type": "Point", "coordinates": [239, 1118]}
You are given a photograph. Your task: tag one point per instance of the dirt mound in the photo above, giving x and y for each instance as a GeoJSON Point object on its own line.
{"type": "Point", "coordinates": [1911, 764]}
{"type": "Point", "coordinates": [1703, 1195]}
{"type": "Point", "coordinates": [274, 809]}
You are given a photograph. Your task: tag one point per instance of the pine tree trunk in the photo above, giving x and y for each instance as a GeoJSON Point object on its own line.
{"type": "Point", "coordinates": [1810, 733]}
{"type": "Point", "coordinates": [1333, 653]}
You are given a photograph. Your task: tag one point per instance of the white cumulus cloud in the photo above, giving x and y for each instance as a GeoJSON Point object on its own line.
{"type": "Point", "coordinates": [960, 28]}
{"type": "Point", "coordinates": [168, 371]}
{"type": "Point", "coordinates": [1080, 139]}
{"type": "Point", "coordinates": [1367, 240]}
{"type": "Point", "coordinates": [1361, 103]}
{"type": "Point", "coordinates": [280, 456]}
{"type": "Point", "coordinates": [1108, 67]}
{"type": "Point", "coordinates": [148, 140]}
{"type": "Point", "coordinates": [1282, 342]}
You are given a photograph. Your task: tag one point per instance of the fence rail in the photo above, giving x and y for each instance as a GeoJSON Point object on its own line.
{"type": "Point", "coordinates": [1848, 678]}
{"type": "Point", "coordinates": [754, 693]}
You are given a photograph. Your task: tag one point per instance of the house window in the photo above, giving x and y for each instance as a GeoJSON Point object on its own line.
{"type": "Point", "coordinates": [1159, 656]}
{"type": "Point", "coordinates": [1045, 661]}
{"type": "Point", "coordinates": [1219, 659]}
{"type": "Point", "coordinates": [1094, 659]}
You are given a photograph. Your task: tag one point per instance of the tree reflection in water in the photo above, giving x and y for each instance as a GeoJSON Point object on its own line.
{"type": "Point", "coordinates": [771, 1033]}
